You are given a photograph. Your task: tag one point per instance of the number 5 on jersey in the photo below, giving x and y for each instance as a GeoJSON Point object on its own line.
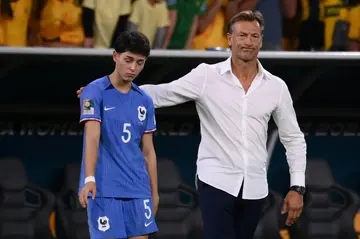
{"type": "Point", "coordinates": [127, 134]}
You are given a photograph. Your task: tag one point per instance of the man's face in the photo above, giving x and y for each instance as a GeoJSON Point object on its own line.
{"type": "Point", "coordinates": [245, 40]}
{"type": "Point", "coordinates": [128, 65]}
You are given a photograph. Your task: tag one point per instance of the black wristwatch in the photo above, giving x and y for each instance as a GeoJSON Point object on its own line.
{"type": "Point", "coordinates": [299, 189]}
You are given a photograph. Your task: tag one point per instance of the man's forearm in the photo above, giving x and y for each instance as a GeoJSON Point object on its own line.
{"type": "Point", "coordinates": [159, 39]}
{"type": "Point", "coordinates": [192, 33]}
{"type": "Point", "coordinates": [170, 29]}
{"type": "Point", "coordinates": [296, 156]}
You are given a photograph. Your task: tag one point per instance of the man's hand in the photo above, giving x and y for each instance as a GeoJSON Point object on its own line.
{"type": "Point", "coordinates": [293, 205]}
{"type": "Point", "coordinates": [83, 197]}
{"type": "Point", "coordinates": [78, 92]}
{"type": "Point", "coordinates": [156, 200]}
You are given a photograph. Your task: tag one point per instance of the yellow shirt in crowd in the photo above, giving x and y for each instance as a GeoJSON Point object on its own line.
{"type": "Point", "coordinates": [214, 35]}
{"type": "Point", "coordinates": [62, 21]}
{"type": "Point", "coordinates": [13, 31]}
{"type": "Point", "coordinates": [332, 11]}
{"type": "Point", "coordinates": [149, 18]}
{"type": "Point", "coordinates": [107, 13]}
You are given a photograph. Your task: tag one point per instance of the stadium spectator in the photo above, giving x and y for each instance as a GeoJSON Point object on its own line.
{"type": "Point", "coordinates": [150, 17]}
{"type": "Point", "coordinates": [184, 21]}
{"type": "Point", "coordinates": [14, 22]}
{"type": "Point", "coordinates": [103, 20]}
{"type": "Point", "coordinates": [344, 28]}
{"type": "Point", "coordinates": [330, 23]}
{"type": "Point", "coordinates": [274, 10]}
{"type": "Point", "coordinates": [211, 29]}
{"type": "Point", "coordinates": [59, 23]}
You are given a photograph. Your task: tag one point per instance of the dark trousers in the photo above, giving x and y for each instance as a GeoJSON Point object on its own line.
{"type": "Point", "coordinates": [227, 217]}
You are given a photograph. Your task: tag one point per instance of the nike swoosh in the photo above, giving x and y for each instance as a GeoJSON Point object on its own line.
{"type": "Point", "coordinates": [106, 109]}
{"type": "Point", "coordinates": [148, 224]}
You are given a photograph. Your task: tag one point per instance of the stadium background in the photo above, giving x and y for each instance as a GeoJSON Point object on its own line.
{"type": "Point", "coordinates": [39, 126]}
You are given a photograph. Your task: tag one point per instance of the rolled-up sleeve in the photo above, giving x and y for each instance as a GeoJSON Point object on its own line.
{"type": "Point", "coordinates": [187, 88]}
{"type": "Point", "coordinates": [291, 137]}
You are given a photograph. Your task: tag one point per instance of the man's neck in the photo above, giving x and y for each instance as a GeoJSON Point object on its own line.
{"type": "Point", "coordinates": [119, 83]}
{"type": "Point", "coordinates": [244, 71]}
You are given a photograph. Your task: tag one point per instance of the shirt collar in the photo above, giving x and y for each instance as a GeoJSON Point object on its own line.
{"type": "Point", "coordinates": [133, 86]}
{"type": "Point", "coordinates": [225, 66]}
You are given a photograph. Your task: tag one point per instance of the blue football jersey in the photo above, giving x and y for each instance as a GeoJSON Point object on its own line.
{"type": "Point", "coordinates": [125, 117]}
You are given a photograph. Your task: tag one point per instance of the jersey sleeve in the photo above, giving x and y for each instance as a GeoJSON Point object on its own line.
{"type": "Point", "coordinates": [151, 121]}
{"type": "Point", "coordinates": [90, 104]}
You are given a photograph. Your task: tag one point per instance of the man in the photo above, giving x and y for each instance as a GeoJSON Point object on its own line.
{"type": "Point", "coordinates": [235, 100]}
{"type": "Point", "coordinates": [118, 117]}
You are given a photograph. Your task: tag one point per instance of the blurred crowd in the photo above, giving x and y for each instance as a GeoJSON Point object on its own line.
{"type": "Point", "coordinates": [307, 25]}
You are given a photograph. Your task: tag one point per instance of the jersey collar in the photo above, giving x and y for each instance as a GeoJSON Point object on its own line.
{"type": "Point", "coordinates": [133, 86]}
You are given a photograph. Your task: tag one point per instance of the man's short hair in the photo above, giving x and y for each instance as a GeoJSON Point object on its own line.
{"type": "Point", "coordinates": [248, 16]}
{"type": "Point", "coordinates": [134, 42]}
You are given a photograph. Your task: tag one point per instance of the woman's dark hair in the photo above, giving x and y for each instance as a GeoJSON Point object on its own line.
{"type": "Point", "coordinates": [134, 42]}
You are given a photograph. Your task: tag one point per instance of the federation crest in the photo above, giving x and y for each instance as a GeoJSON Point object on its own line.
{"type": "Point", "coordinates": [141, 113]}
{"type": "Point", "coordinates": [103, 224]}
{"type": "Point", "coordinates": [88, 107]}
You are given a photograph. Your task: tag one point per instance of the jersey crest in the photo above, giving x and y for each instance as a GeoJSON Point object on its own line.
{"type": "Point", "coordinates": [141, 113]}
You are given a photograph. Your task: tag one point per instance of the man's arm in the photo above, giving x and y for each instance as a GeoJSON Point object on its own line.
{"type": "Point", "coordinates": [188, 87]}
{"type": "Point", "coordinates": [291, 137]}
{"type": "Point", "coordinates": [160, 36]}
{"type": "Point", "coordinates": [192, 33]}
{"type": "Point", "coordinates": [293, 140]}
{"type": "Point", "coordinates": [208, 17]}
{"type": "Point", "coordinates": [171, 28]}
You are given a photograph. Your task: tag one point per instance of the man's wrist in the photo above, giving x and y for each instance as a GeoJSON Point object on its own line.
{"type": "Point", "coordinates": [299, 189]}
{"type": "Point", "coordinates": [89, 179]}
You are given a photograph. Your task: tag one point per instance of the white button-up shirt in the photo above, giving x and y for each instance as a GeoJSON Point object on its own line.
{"type": "Point", "coordinates": [234, 126]}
